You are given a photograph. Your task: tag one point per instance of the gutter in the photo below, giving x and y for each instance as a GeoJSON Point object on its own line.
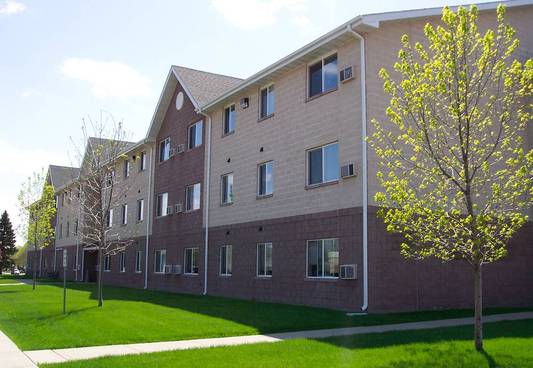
{"type": "Point", "coordinates": [207, 189]}
{"type": "Point", "coordinates": [362, 68]}
{"type": "Point", "coordinates": [148, 217]}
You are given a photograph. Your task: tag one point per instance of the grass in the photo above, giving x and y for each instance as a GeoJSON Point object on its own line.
{"type": "Point", "coordinates": [34, 319]}
{"type": "Point", "coordinates": [10, 279]}
{"type": "Point", "coordinates": [507, 344]}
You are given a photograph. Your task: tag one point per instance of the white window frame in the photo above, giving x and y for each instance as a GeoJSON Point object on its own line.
{"type": "Point", "coordinates": [193, 260]}
{"type": "Point", "coordinates": [200, 122]}
{"type": "Point", "coordinates": [323, 164]}
{"type": "Point", "coordinates": [227, 261]}
{"type": "Point", "coordinates": [259, 194]}
{"type": "Point", "coordinates": [126, 172]}
{"type": "Point", "coordinates": [323, 258]}
{"type": "Point", "coordinates": [166, 155]}
{"type": "Point", "coordinates": [230, 197]}
{"type": "Point", "coordinates": [122, 262]}
{"type": "Point", "coordinates": [107, 263]}
{"type": "Point", "coordinates": [124, 214]}
{"type": "Point", "coordinates": [142, 161]}
{"type": "Point", "coordinates": [267, 115]}
{"type": "Point", "coordinates": [162, 252]}
{"type": "Point", "coordinates": [193, 186]}
{"type": "Point", "coordinates": [163, 208]}
{"type": "Point", "coordinates": [138, 261]}
{"type": "Point", "coordinates": [140, 214]}
{"type": "Point", "coordinates": [257, 258]}
{"type": "Point", "coordinates": [313, 63]}
{"type": "Point", "coordinates": [68, 229]}
{"type": "Point", "coordinates": [224, 121]}
{"type": "Point", "coordinates": [110, 218]}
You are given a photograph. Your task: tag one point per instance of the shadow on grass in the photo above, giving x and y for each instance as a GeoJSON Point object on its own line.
{"type": "Point", "coordinates": [266, 317]}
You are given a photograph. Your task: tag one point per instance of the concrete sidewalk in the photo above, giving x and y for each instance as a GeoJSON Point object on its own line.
{"type": "Point", "coordinates": [11, 356]}
{"type": "Point", "coordinates": [63, 355]}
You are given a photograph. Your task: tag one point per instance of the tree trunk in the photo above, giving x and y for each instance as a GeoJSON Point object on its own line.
{"type": "Point", "coordinates": [478, 309]}
{"type": "Point", "coordinates": [34, 266]}
{"type": "Point", "coordinates": [100, 276]}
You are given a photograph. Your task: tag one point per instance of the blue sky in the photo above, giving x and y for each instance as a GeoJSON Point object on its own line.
{"type": "Point", "coordinates": [61, 61]}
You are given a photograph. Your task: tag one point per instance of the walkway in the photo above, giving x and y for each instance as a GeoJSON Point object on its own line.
{"type": "Point", "coordinates": [11, 356]}
{"type": "Point", "coordinates": [63, 355]}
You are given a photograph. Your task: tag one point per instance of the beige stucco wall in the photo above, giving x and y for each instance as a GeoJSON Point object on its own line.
{"type": "Point", "coordinates": [296, 126]}
{"type": "Point", "coordinates": [67, 212]}
{"type": "Point", "coordinates": [382, 48]}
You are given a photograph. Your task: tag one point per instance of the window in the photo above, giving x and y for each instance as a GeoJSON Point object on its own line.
{"type": "Point", "coordinates": [192, 197]}
{"type": "Point", "coordinates": [140, 210]}
{"type": "Point", "coordinates": [191, 261]}
{"type": "Point", "coordinates": [60, 231]}
{"type": "Point", "coordinates": [75, 263]}
{"type": "Point", "coordinates": [268, 101]}
{"type": "Point", "coordinates": [109, 218]}
{"type": "Point", "coordinates": [164, 149]}
{"type": "Point", "coordinates": [195, 134]}
{"type": "Point", "coordinates": [323, 258]}
{"type": "Point", "coordinates": [68, 229]}
{"type": "Point", "coordinates": [138, 261]}
{"type": "Point", "coordinates": [229, 119]}
{"type": "Point", "coordinates": [160, 260]}
{"type": "Point", "coordinates": [323, 164]}
{"type": "Point", "coordinates": [107, 263]}
{"type": "Point", "coordinates": [76, 225]}
{"type": "Point", "coordinates": [323, 76]}
{"type": "Point", "coordinates": [264, 259]}
{"type": "Point", "coordinates": [162, 204]}
{"type": "Point", "coordinates": [126, 169]}
{"type": "Point", "coordinates": [124, 214]}
{"type": "Point", "coordinates": [122, 262]}
{"type": "Point", "coordinates": [225, 260]}
{"type": "Point", "coordinates": [265, 181]}
{"type": "Point", "coordinates": [142, 161]}
{"type": "Point", "coordinates": [227, 189]}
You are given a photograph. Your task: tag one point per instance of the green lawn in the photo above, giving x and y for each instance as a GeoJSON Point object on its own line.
{"type": "Point", "coordinates": [507, 344]}
{"type": "Point", "coordinates": [34, 319]}
{"type": "Point", "coordinates": [10, 279]}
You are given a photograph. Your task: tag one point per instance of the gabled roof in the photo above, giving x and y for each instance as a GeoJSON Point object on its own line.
{"type": "Point", "coordinates": [200, 86]}
{"type": "Point", "coordinates": [331, 40]}
{"type": "Point", "coordinates": [60, 176]}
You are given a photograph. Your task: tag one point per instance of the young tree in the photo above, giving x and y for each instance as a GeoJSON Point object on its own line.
{"type": "Point", "coordinates": [7, 242]}
{"type": "Point", "coordinates": [456, 173]}
{"type": "Point", "coordinates": [38, 208]}
{"type": "Point", "coordinates": [99, 192]}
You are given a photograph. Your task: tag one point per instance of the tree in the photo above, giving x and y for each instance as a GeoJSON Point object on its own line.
{"type": "Point", "coordinates": [455, 171]}
{"type": "Point", "coordinates": [38, 208]}
{"type": "Point", "coordinates": [7, 242]}
{"type": "Point", "coordinates": [99, 192]}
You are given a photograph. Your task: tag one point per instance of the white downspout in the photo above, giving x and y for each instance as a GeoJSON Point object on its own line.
{"type": "Point", "coordinates": [207, 189]}
{"type": "Point", "coordinates": [361, 39]}
{"type": "Point", "coordinates": [148, 217]}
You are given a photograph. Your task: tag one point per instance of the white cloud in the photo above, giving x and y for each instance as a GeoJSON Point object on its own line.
{"type": "Point", "coordinates": [31, 92]}
{"type": "Point", "coordinates": [107, 78]}
{"type": "Point", "coordinates": [11, 7]}
{"type": "Point", "coordinates": [255, 14]}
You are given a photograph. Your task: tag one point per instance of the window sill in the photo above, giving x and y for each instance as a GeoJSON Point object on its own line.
{"type": "Point", "coordinates": [123, 271]}
{"type": "Point", "coordinates": [224, 276]}
{"type": "Point", "coordinates": [194, 148]}
{"type": "Point", "coordinates": [226, 204]}
{"type": "Point", "coordinates": [265, 118]}
{"type": "Point", "coordinates": [309, 99]}
{"type": "Point", "coordinates": [263, 277]}
{"type": "Point", "coordinates": [192, 211]}
{"type": "Point", "coordinates": [264, 196]}
{"type": "Point", "coordinates": [107, 270]}
{"type": "Point", "coordinates": [228, 134]}
{"type": "Point", "coordinates": [321, 279]}
{"type": "Point", "coordinates": [138, 272]}
{"type": "Point", "coordinates": [320, 185]}
{"type": "Point", "coordinates": [159, 273]}
{"type": "Point", "coordinates": [190, 274]}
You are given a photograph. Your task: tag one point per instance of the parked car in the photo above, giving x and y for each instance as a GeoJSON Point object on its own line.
{"type": "Point", "coordinates": [15, 271]}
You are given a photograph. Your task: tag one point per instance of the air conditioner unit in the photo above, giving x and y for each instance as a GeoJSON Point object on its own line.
{"type": "Point", "coordinates": [346, 74]}
{"type": "Point", "coordinates": [180, 148]}
{"type": "Point", "coordinates": [170, 210]}
{"type": "Point", "coordinates": [176, 269]}
{"type": "Point", "coordinates": [348, 271]}
{"type": "Point", "coordinates": [348, 171]}
{"type": "Point", "coordinates": [178, 208]}
{"type": "Point", "coordinates": [171, 152]}
{"type": "Point", "coordinates": [168, 269]}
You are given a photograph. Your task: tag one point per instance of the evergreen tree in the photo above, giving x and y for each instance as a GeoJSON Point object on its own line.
{"type": "Point", "coordinates": [7, 242]}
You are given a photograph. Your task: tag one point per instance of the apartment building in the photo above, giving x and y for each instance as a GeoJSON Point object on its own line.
{"type": "Point", "coordinates": [263, 188]}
